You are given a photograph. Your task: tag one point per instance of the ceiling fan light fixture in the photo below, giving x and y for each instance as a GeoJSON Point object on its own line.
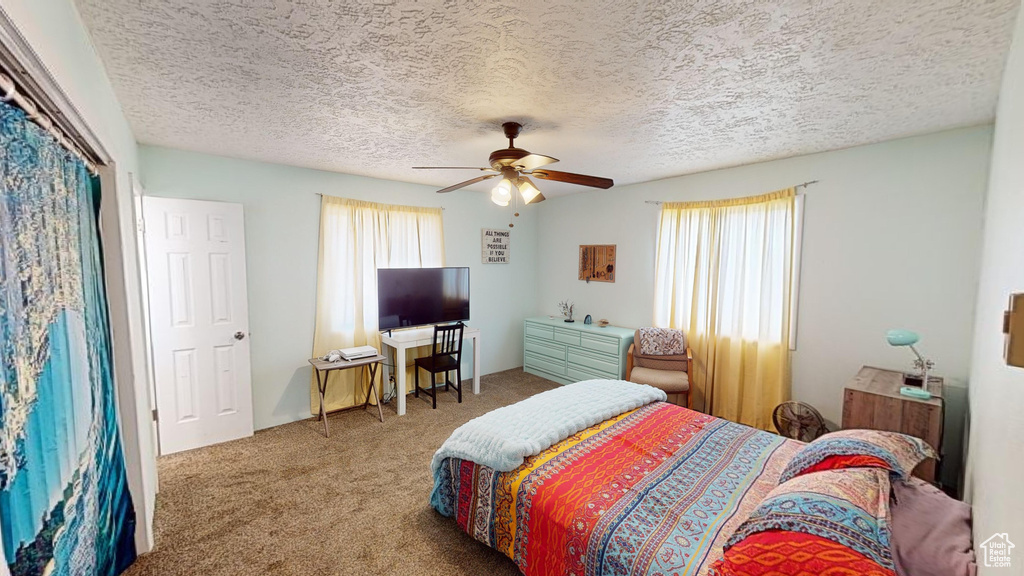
{"type": "Point", "coordinates": [527, 189]}
{"type": "Point", "coordinates": [502, 193]}
{"type": "Point", "coordinates": [509, 165]}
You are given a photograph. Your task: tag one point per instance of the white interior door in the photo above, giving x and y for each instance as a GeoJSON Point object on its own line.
{"type": "Point", "coordinates": [199, 321]}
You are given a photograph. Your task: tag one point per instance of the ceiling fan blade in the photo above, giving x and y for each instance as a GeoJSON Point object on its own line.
{"type": "Point", "coordinates": [531, 161]}
{"type": "Point", "coordinates": [453, 168]}
{"type": "Point", "coordinates": [570, 178]}
{"type": "Point", "coordinates": [466, 183]}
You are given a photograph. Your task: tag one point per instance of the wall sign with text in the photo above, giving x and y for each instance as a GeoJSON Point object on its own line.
{"type": "Point", "coordinates": [494, 245]}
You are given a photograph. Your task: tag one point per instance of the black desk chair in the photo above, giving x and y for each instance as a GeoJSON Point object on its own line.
{"type": "Point", "coordinates": [447, 356]}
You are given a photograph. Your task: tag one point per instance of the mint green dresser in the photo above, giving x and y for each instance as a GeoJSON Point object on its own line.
{"type": "Point", "coordinates": [569, 352]}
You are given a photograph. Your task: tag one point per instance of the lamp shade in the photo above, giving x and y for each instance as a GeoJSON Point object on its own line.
{"type": "Point", "coordinates": [527, 189]}
{"type": "Point", "coordinates": [502, 193]}
{"type": "Point", "coordinates": [902, 337]}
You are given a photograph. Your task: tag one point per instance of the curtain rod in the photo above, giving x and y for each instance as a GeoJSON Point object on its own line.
{"type": "Point", "coordinates": [35, 114]}
{"type": "Point", "coordinates": [333, 196]}
{"type": "Point", "coordinates": [801, 185]}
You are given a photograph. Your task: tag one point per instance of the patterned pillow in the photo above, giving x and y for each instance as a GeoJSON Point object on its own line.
{"type": "Point", "coordinates": [831, 522]}
{"type": "Point", "coordinates": [661, 342]}
{"type": "Point", "coordinates": [897, 453]}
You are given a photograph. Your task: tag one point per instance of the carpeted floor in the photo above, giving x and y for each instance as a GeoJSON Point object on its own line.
{"type": "Point", "coordinates": [289, 501]}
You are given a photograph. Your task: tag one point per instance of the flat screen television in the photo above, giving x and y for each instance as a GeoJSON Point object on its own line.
{"type": "Point", "coordinates": [420, 296]}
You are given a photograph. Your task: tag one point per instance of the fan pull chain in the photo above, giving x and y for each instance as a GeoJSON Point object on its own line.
{"type": "Point", "coordinates": [515, 205]}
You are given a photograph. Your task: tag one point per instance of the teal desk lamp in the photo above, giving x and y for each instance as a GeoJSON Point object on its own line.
{"type": "Point", "coordinates": [908, 338]}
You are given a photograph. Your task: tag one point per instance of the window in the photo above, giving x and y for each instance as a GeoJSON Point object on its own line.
{"type": "Point", "coordinates": [357, 238]}
{"type": "Point", "coordinates": [725, 275]}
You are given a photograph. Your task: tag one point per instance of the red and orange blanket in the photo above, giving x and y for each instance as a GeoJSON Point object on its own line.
{"type": "Point", "coordinates": [656, 490]}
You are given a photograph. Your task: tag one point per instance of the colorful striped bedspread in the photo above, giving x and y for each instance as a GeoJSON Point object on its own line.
{"type": "Point", "coordinates": [655, 491]}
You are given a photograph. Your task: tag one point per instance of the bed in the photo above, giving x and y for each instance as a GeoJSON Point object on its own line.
{"type": "Point", "coordinates": [654, 490]}
{"type": "Point", "coordinates": [605, 478]}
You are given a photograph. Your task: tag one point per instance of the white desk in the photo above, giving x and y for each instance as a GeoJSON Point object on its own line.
{"type": "Point", "coordinates": [402, 340]}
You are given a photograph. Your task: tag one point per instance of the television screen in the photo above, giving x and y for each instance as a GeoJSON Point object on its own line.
{"type": "Point", "coordinates": [421, 296]}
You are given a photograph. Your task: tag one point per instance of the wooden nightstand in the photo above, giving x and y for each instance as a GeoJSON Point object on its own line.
{"type": "Point", "coordinates": [872, 400]}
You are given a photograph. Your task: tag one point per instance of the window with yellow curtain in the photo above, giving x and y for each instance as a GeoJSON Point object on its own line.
{"type": "Point", "coordinates": [725, 276]}
{"type": "Point", "coordinates": [357, 238]}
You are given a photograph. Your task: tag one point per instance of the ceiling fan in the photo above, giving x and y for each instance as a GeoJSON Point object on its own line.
{"type": "Point", "coordinates": [514, 165]}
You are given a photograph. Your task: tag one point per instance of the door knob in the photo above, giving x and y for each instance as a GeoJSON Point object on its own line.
{"type": "Point", "coordinates": [239, 335]}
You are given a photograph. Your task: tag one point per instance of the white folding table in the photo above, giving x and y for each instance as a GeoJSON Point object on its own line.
{"type": "Point", "coordinates": [320, 365]}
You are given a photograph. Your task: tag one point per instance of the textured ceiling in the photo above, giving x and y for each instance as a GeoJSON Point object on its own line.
{"type": "Point", "coordinates": [633, 90]}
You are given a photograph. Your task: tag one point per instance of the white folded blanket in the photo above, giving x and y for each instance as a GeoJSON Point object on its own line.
{"type": "Point", "coordinates": [503, 438]}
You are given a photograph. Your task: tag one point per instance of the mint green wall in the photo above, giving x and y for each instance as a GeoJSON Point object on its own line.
{"type": "Point", "coordinates": [282, 217]}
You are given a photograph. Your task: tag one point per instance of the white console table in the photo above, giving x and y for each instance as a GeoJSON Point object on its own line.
{"type": "Point", "coordinates": [402, 340]}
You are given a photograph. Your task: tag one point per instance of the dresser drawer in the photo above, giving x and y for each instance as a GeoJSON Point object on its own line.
{"type": "Point", "coordinates": [600, 343]}
{"type": "Point", "coordinates": [604, 366]}
{"type": "Point", "coordinates": [580, 373]}
{"type": "Point", "coordinates": [545, 363]}
{"type": "Point", "coordinates": [544, 332]}
{"type": "Point", "coordinates": [543, 348]}
{"type": "Point", "coordinates": [567, 336]}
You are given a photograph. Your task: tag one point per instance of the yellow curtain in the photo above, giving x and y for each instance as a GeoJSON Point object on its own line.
{"type": "Point", "coordinates": [724, 275]}
{"type": "Point", "coordinates": [357, 238]}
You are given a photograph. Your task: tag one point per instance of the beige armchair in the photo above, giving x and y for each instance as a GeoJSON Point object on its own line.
{"type": "Point", "coordinates": [670, 373]}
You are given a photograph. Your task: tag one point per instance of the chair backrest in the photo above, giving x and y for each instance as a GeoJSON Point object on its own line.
{"type": "Point", "coordinates": [676, 362]}
{"type": "Point", "coordinates": [448, 340]}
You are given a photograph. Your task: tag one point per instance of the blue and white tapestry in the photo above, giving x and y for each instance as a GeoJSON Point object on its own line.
{"type": "Point", "coordinates": [64, 502]}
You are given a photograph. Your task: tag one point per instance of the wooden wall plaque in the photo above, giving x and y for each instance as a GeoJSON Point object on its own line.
{"type": "Point", "coordinates": [597, 262]}
{"type": "Point", "coordinates": [1013, 328]}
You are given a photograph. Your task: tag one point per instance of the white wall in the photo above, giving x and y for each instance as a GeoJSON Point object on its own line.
{"type": "Point", "coordinates": [892, 234]}
{"type": "Point", "coordinates": [56, 34]}
{"type": "Point", "coordinates": [995, 463]}
{"type": "Point", "coordinates": [282, 217]}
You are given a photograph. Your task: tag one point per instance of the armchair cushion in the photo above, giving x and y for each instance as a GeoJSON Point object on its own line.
{"type": "Point", "coordinates": [671, 381]}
